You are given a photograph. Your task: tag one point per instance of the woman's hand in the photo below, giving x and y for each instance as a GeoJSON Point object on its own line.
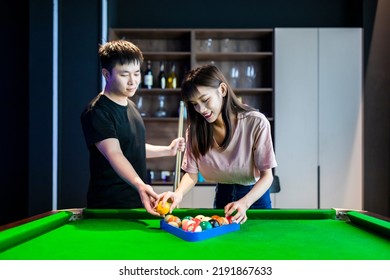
{"type": "Point", "coordinates": [238, 208]}
{"type": "Point", "coordinates": [171, 197]}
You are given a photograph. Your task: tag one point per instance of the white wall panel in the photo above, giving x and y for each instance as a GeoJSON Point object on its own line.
{"type": "Point", "coordinates": [318, 117]}
{"type": "Point", "coordinates": [340, 118]}
{"type": "Point", "coordinates": [296, 121]}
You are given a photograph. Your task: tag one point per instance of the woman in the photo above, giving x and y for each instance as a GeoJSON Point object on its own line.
{"type": "Point", "coordinates": [227, 142]}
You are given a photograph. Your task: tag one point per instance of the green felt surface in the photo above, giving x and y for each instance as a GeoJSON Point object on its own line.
{"type": "Point", "coordinates": [135, 235]}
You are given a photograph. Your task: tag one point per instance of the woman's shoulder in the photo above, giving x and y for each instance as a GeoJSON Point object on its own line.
{"type": "Point", "coordinates": [252, 116]}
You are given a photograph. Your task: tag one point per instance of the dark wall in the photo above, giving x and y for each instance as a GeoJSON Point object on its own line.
{"type": "Point", "coordinates": [27, 97]}
{"type": "Point", "coordinates": [79, 36]}
{"type": "Point", "coordinates": [14, 93]}
{"type": "Point", "coordinates": [40, 128]}
{"type": "Point", "coordinates": [235, 14]}
{"type": "Point", "coordinates": [26, 82]}
{"type": "Point", "coordinates": [377, 113]}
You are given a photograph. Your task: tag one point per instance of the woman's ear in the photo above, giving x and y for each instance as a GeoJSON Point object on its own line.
{"type": "Point", "coordinates": [222, 89]}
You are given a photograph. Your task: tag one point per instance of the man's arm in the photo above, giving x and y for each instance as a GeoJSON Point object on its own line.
{"type": "Point", "coordinates": [111, 150]}
{"type": "Point", "coordinates": [153, 151]}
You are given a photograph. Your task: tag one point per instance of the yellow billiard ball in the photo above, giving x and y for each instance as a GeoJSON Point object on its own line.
{"type": "Point", "coordinates": [163, 209]}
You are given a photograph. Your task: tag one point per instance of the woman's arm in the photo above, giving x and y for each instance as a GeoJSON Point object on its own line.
{"type": "Point", "coordinates": [188, 181]}
{"type": "Point", "coordinates": [261, 186]}
{"type": "Point", "coordinates": [243, 204]}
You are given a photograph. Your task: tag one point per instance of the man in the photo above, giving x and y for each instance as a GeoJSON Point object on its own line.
{"type": "Point", "coordinates": [115, 135]}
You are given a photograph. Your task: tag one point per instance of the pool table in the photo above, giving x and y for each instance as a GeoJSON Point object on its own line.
{"type": "Point", "coordinates": [274, 234]}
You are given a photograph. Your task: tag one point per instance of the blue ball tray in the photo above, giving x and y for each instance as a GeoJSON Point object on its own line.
{"type": "Point", "coordinates": [198, 236]}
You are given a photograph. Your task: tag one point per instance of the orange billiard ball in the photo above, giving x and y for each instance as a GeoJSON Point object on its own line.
{"type": "Point", "coordinates": [163, 209]}
{"type": "Point", "coordinates": [222, 221]}
{"type": "Point", "coordinates": [174, 224]}
{"type": "Point", "coordinates": [168, 217]}
{"type": "Point", "coordinates": [173, 219]}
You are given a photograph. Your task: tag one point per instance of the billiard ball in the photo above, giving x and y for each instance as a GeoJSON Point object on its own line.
{"type": "Point", "coordinates": [194, 227]}
{"type": "Point", "coordinates": [229, 218]}
{"type": "Point", "coordinates": [176, 220]}
{"type": "Point", "coordinates": [186, 223]}
{"type": "Point", "coordinates": [222, 221]}
{"type": "Point", "coordinates": [172, 218]}
{"type": "Point", "coordinates": [200, 217]}
{"type": "Point", "coordinates": [167, 217]}
{"type": "Point", "coordinates": [214, 223]}
{"type": "Point", "coordinates": [206, 218]}
{"type": "Point", "coordinates": [163, 209]}
{"type": "Point", "coordinates": [187, 218]}
{"type": "Point", "coordinates": [174, 224]}
{"type": "Point", "coordinates": [205, 225]}
{"type": "Point", "coordinates": [197, 220]}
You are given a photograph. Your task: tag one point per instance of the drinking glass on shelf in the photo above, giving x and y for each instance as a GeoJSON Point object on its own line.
{"type": "Point", "coordinates": [140, 106]}
{"type": "Point", "coordinates": [250, 76]}
{"type": "Point", "coordinates": [207, 45]}
{"type": "Point", "coordinates": [226, 45]}
{"type": "Point", "coordinates": [234, 76]}
{"type": "Point", "coordinates": [161, 111]}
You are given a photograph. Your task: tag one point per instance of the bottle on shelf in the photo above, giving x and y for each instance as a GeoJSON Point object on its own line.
{"type": "Point", "coordinates": [148, 77]}
{"type": "Point", "coordinates": [172, 80]}
{"type": "Point", "coordinates": [162, 79]}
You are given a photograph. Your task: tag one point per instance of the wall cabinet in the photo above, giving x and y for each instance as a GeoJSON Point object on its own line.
{"type": "Point", "coordinates": [244, 55]}
{"type": "Point", "coordinates": [318, 117]}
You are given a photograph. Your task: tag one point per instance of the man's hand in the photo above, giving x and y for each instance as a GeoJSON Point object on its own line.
{"type": "Point", "coordinates": [176, 145]}
{"type": "Point", "coordinates": [149, 198]}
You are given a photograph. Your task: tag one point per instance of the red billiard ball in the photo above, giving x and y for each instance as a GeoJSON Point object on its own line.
{"type": "Point", "coordinates": [196, 220]}
{"type": "Point", "coordinates": [194, 227]}
{"type": "Point", "coordinates": [186, 223]}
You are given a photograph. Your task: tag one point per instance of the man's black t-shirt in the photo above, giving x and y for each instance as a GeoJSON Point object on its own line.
{"type": "Point", "coordinates": [107, 119]}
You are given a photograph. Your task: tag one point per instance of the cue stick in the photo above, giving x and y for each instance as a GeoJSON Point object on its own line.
{"type": "Point", "coordinates": [178, 154]}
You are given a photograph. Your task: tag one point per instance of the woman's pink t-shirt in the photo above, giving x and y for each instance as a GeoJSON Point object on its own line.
{"type": "Point", "coordinates": [249, 152]}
